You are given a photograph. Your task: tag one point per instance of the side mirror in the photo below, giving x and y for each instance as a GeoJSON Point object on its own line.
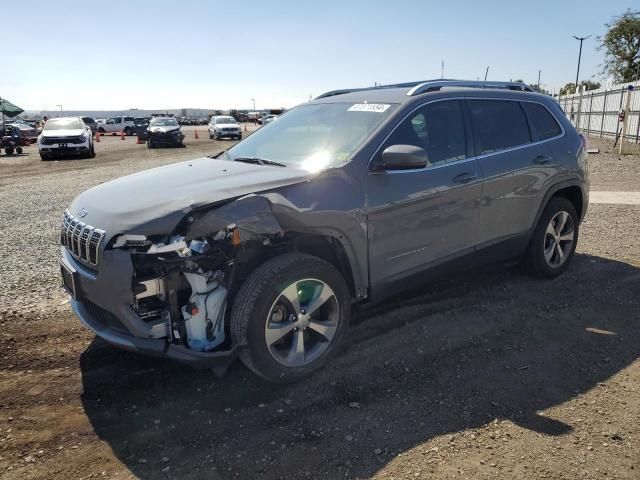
{"type": "Point", "coordinates": [402, 157]}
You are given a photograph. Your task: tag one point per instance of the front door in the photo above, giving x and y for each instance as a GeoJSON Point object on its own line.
{"type": "Point", "coordinates": [420, 218]}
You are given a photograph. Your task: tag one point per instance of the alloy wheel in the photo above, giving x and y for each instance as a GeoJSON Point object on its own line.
{"type": "Point", "coordinates": [302, 322]}
{"type": "Point", "coordinates": [558, 239]}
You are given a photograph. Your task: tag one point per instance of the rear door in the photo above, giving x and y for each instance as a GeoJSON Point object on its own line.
{"type": "Point", "coordinates": [420, 218]}
{"type": "Point", "coordinates": [514, 165]}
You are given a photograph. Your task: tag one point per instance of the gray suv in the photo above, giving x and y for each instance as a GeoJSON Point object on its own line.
{"type": "Point", "coordinates": [260, 251]}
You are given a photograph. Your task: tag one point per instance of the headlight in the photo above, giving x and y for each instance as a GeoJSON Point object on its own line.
{"type": "Point", "coordinates": [83, 138]}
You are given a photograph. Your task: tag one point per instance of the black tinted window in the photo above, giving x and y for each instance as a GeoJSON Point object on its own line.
{"type": "Point", "coordinates": [128, 119]}
{"type": "Point", "coordinates": [499, 124]}
{"type": "Point", "coordinates": [542, 121]}
{"type": "Point", "coordinates": [438, 128]}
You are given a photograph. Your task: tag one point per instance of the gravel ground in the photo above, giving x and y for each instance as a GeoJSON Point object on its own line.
{"type": "Point", "coordinates": [493, 375]}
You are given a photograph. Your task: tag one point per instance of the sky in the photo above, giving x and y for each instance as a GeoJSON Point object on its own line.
{"type": "Point", "coordinates": [155, 54]}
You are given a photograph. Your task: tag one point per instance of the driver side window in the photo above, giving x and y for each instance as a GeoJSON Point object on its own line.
{"type": "Point", "coordinates": [438, 128]}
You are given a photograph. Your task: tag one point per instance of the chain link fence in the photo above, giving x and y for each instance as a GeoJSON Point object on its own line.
{"type": "Point", "coordinates": [595, 112]}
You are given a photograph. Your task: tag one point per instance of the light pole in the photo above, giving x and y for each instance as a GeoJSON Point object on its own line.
{"type": "Point", "coordinates": [60, 109]}
{"type": "Point", "coordinates": [254, 104]}
{"type": "Point", "coordinates": [581, 39]}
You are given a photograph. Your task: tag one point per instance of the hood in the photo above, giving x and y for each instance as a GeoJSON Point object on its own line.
{"type": "Point", "coordinates": [153, 201]}
{"type": "Point", "coordinates": [74, 132]}
{"type": "Point", "coordinates": [163, 129]}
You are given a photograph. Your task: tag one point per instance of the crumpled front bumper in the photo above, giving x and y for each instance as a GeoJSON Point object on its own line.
{"type": "Point", "coordinates": [103, 304]}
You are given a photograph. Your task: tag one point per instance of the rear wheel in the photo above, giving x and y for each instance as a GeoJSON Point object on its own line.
{"type": "Point", "coordinates": [19, 150]}
{"type": "Point", "coordinates": [101, 130]}
{"type": "Point", "coordinates": [292, 313]}
{"type": "Point", "coordinates": [554, 239]}
{"type": "Point", "coordinates": [8, 151]}
{"type": "Point", "coordinates": [128, 132]}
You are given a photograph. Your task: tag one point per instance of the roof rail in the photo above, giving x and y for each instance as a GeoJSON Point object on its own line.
{"type": "Point", "coordinates": [333, 93]}
{"type": "Point", "coordinates": [424, 86]}
{"type": "Point", "coordinates": [435, 85]}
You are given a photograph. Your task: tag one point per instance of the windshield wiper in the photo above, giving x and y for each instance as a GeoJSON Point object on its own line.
{"type": "Point", "coordinates": [259, 161]}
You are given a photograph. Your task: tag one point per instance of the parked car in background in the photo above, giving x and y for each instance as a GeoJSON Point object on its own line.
{"type": "Point", "coordinates": [27, 131]}
{"type": "Point", "coordinates": [65, 136]}
{"type": "Point", "coordinates": [100, 121]}
{"type": "Point", "coordinates": [222, 126]}
{"type": "Point", "coordinates": [359, 194]}
{"type": "Point", "coordinates": [117, 125]}
{"type": "Point", "coordinates": [165, 132]}
{"type": "Point", "coordinates": [267, 119]}
{"type": "Point", "coordinates": [91, 123]}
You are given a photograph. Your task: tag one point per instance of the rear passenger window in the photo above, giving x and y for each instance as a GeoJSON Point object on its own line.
{"type": "Point", "coordinates": [499, 124]}
{"type": "Point", "coordinates": [438, 128]}
{"type": "Point", "coordinates": [542, 121]}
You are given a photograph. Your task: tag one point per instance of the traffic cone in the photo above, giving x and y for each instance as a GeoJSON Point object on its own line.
{"type": "Point", "coordinates": [196, 135]}
{"type": "Point", "coordinates": [98, 136]}
{"type": "Point", "coordinates": [121, 134]}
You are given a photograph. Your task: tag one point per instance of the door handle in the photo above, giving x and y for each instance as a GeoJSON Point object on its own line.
{"type": "Point", "coordinates": [542, 160]}
{"type": "Point", "coordinates": [465, 177]}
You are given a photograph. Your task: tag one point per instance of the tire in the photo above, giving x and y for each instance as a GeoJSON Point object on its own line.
{"type": "Point", "coordinates": [543, 257]}
{"type": "Point", "coordinates": [44, 157]}
{"type": "Point", "coordinates": [8, 151]}
{"type": "Point", "coordinates": [150, 144]}
{"type": "Point", "coordinates": [101, 130]}
{"type": "Point", "coordinates": [127, 131]}
{"type": "Point", "coordinates": [92, 151]}
{"type": "Point", "coordinates": [210, 137]}
{"type": "Point", "coordinates": [19, 150]}
{"type": "Point", "coordinates": [239, 137]}
{"type": "Point", "coordinates": [258, 301]}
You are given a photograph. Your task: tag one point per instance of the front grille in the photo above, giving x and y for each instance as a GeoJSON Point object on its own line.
{"type": "Point", "coordinates": [82, 240]}
{"type": "Point", "coordinates": [230, 129]}
{"type": "Point", "coordinates": [56, 140]}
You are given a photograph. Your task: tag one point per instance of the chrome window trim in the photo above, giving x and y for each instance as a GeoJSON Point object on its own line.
{"type": "Point", "coordinates": [476, 157]}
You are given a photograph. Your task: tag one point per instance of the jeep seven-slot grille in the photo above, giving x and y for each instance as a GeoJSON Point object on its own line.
{"type": "Point", "coordinates": [82, 240]}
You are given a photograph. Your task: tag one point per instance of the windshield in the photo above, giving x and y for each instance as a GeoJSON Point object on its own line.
{"type": "Point", "coordinates": [64, 124]}
{"type": "Point", "coordinates": [225, 120]}
{"type": "Point", "coordinates": [314, 137]}
{"type": "Point", "coordinates": [163, 122]}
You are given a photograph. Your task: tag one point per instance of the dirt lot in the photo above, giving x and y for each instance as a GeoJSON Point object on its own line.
{"type": "Point", "coordinates": [494, 375]}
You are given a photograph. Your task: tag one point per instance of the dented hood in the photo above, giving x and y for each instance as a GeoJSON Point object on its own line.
{"type": "Point", "coordinates": [153, 201]}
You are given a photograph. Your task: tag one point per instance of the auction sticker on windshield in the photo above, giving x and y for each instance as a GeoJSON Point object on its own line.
{"type": "Point", "coordinates": [369, 107]}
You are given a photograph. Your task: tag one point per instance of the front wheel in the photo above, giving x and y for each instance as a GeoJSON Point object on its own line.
{"type": "Point", "coordinates": [44, 157]}
{"type": "Point", "coordinates": [292, 313]}
{"type": "Point", "coordinates": [554, 240]}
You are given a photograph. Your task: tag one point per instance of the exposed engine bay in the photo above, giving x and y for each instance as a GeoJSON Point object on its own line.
{"type": "Point", "coordinates": [182, 284]}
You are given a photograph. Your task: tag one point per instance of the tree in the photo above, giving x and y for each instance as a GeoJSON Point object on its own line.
{"type": "Point", "coordinates": [621, 44]}
{"type": "Point", "coordinates": [570, 88]}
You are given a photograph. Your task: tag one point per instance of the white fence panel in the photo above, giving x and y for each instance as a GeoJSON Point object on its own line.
{"type": "Point", "coordinates": [595, 112]}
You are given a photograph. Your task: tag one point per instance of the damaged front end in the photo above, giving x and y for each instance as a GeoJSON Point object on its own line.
{"type": "Point", "coordinates": [182, 284]}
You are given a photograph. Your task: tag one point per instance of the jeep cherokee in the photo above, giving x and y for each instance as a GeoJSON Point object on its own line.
{"type": "Point", "coordinates": [260, 251]}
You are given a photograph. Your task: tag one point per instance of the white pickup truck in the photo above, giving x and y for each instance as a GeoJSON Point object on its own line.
{"type": "Point", "coordinates": [117, 125]}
